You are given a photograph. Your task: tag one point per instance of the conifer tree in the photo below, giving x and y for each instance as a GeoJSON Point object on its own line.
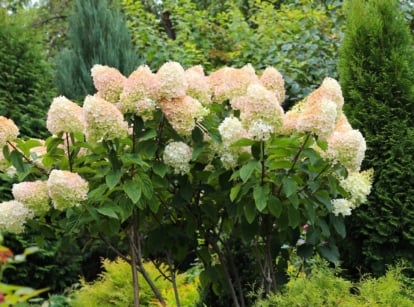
{"type": "Point", "coordinates": [97, 35]}
{"type": "Point", "coordinates": [377, 79]}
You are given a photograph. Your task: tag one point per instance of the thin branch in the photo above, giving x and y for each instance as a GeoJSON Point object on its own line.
{"type": "Point", "coordinates": [27, 159]}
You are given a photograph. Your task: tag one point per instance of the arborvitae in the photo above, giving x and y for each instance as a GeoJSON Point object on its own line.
{"type": "Point", "coordinates": [97, 35]}
{"type": "Point", "coordinates": [25, 77]}
{"type": "Point", "coordinates": [377, 79]}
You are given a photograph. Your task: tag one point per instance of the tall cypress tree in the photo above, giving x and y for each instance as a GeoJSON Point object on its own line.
{"type": "Point", "coordinates": [97, 35]}
{"type": "Point", "coordinates": [377, 79]}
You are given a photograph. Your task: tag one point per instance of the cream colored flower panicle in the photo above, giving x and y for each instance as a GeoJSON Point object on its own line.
{"type": "Point", "coordinates": [178, 156]}
{"type": "Point", "coordinates": [347, 148]}
{"type": "Point", "coordinates": [173, 83]}
{"type": "Point", "coordinates": [273, 80]}
{"type": "Point", "coordinates": [13, 216]}
{"type": "Point", "coordinates": [183, 113]}
{"type": "Point", "coordinates": [33, 194]}
{"type": "Point", "coordinates": [64, 116]}
{"type": "Point", "coordinates": [140, 92]}
{"type": "Point", "coordinates": [103, 120]}
{"type": "Point", "coordinates": [358, 185]}
{"type": "Point", "coordinates": [8, 131]}
{"type": "Point", "coordinates": [108, 81]}
{"type": "Point", "coordinates": [66, 189]}
{"type": "Point", "coordinates": [198, 86]}
{"type": "Point", "coordinates": [331, 89]}
{"type": "Point", "coordinates": [228, 82]}
{"type": "Point", "coordinates": [341, 206]}
{"type": "Point", "coordinates": [260, 111]}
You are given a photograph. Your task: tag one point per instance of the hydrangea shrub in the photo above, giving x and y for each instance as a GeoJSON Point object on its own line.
{"type": "Point", "coordinates": [183, 163]}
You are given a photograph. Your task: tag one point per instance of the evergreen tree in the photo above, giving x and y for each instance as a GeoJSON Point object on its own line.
{"type": "Point", "coordinates": [97, 35]}
{"type": "Point", "coordinates": [377, 79]}
{"type": "Point", "coordinates": [25, 76]}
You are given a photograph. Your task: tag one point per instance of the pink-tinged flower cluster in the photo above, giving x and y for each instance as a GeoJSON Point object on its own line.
{"type": "Point", "coordinates": [32, 194]}
{"type": "Point", "coordinates": [64, 116]}
{"type": "Point", "coordinates": [108, 81]}
{"type": "Point", "coordinates": [273, 80]}
{"type": "Point", "coordinates": [183, 113]}
{"type": "Point", "coordinates": [198, 86]}
{"type": "Point", "coordinates": [140, 92]}
{"type": "Point", "coordinates": [13, 216]}
{"type": "Point", "coordinates": [66, 189]}
{"type": "Point", "coordinates": [228, 82]}
{"type": "Point", "coordinates": [318, 117]}
{"type": "Point", "coordinates": [8, 131]}
{"type": "Point", "coordinates": [347, 148]}
{"type": "Point", "coordinates": [331, 89]}
{"type": "Point", "coordinates": [341, 206]}
{"type": "Point", "coordinates": [103, 120]}
{"type": "Point", "coordinates": [172, 81]}
{"type": "Point", "coordinates": [259, 105]}
{"type": "Point", "coordinates": [178, 155]}
{"type": "Point", "coordinates": [231, 130]}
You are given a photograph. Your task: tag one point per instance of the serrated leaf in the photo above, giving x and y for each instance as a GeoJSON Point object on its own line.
{"type": "Point", "coordinates": [112, 178]}
{"type": "Point", "coordinates": [275, 206]}
{"type": "Point", "coordinates": [250, 212]}
{"type": "Point", "coordinates": [148, 135]}
{"type": "Point", "coordinates": [17, 161]}
{"type": "Point", "coordinates": [261, 196]}
{"type": "Point", "coordinates": [132, 190]}
{"type": "Point", "coordinates": [330, 253]}
{"type": "Point", "coordinates": [159, 168]}
{"type": "Point", "coordinates": [289, 186]}
{"type": "Point", "coordinates": [107, 211]}
{"type": "Point", "coordinates": [293, 216]}
{"type": "Point", "coordinates": [339, 225]}
{"type": "Point", "coordinates": [247, 170]}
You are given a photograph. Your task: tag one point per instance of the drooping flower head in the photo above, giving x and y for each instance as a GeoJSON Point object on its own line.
{"type": "Point", "coordinates": [259, 105]}
{"type": "Point", "coordinates": [273, 80]}
{"type": "Point", "coordinates": [32, 194]}
{"type": "Point", "coordinates": [108, 81]}
{"type": "Point", "coordinates": [347, 148]}
{"type": "Point", "coordinates": [140, 92]}
{"type": "Point", "coordinates": [183, 113]}
{"type": "Point", "coordinates": [358, 185]}
{"type": "Point", "coordinates": [66, 189]}
{"type": "Point", "coordinates": [13, 216]}
{"type": "Point", "coordinates": [332, 90]}
{"type": "Point", "coordinates": [103, 120]}
{"type": "Point", "coordinates": [198, 86]}
{"type": "Point", "coordinates": [64, 116]}
{"type": "Point", "coordinates": [228, 82]}
{"type": "Point", "coordinates": [8, 131]}
{"type": "Point", "coordinates": [178, 156]}
{"type": "Point", "coordinates": [171, 77]}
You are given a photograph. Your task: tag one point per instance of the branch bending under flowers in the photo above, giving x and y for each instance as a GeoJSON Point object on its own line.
{"type": "Point", "coordinates": [28, 160]}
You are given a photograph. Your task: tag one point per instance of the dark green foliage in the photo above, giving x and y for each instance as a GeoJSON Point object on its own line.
{"type": "Point", "coordinates": [25, 78]}
{"type": "Point", "coordinates": [97, 35]}
{"type": "Point", "coordinates": [377, 81]}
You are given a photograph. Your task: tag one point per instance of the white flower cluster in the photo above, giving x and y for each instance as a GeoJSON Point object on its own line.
{"type": "Point", "coordinates": [260, 130]}
{"type": "Point", "coordinates": [341, 206]}
{"type": "Point", "coordinates": [32, 194]}
{"type": "Point", "coordinates": [13, 216]}
{"type": "Point", "coordinates": [358, 185]}
{"type": "Point", "coordinates": [178, 156]}
{"type": "Point", "coordinates": [231, 130]}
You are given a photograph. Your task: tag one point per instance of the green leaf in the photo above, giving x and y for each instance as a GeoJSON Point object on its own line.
{"type": "Point", "coordinates": [107, 211]}
{"type": "Point", "coordinates": [250, 212]}
{"type": "Point", "coordinates": [113, 178]}
{"type": "Point", "coordinates": [148, 135]}
{"type": "Point", "coordinates": [97, 193]}
{"type": "Point", "coordinates": [275, 205]}
{"type": "Point", "coordinates": [243, 142]}
{"type": "Point", "coordinates": [330, 253]}
{"type": "Point", "coordinates": [154, 204]}
{"type": "Point", "coordinates": [159, 168]}
{"type": "Point", "coordinates": [294, 217]}
{"type": "Point", "coordinates": [16, 159]}
{"type": "Point", "coordinates": [339, 225]}
{"type": "Point", "coordinates": [261, 196]}
{"type": "Point", "coordinates": [132, 190]}
{"type": "Point", "coordinates": [289, 186]}
{"type": "Point", "coordinates": [280, 164]}
{"type": "Point", "coordinates": [234, 192]}
{"type": "Point", "coordinates": [247, 170]}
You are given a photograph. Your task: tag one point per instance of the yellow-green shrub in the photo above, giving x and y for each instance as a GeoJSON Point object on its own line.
{"type": "Point", "coordinates": [114, 288]}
